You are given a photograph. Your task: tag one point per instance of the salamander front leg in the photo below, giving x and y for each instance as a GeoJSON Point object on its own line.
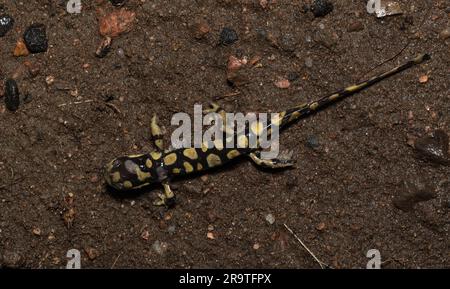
{"type": "Point", "coordinates": [168, 198]}
{"type": "Point", "coordinates": [284, 160]}
{"type": "Point", "coordinates": [213, 107]}
{"type": "Point", "coordinates": [157, 134]}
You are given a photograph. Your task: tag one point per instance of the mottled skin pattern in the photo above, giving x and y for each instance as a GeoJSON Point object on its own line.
{"type": "Point", "coordinates": [135, 171]}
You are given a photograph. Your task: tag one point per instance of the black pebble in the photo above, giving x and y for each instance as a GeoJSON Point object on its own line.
{"type": "Point", "coordinates": [12, 99]}
{"type": "Point", "coordinates": [321, 8]}
{"type": "Point", "coordinates": [228, 36]}
{"type": "Point", "coordinates": [6, 24]}
{"type": "Point", "coordinates": [35, 38]}
{"type": "Point", "coordinates": [118, 2]}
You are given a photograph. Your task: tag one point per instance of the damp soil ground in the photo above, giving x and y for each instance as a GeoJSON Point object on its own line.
{"type": "Point", "coordinates": [352, 159]}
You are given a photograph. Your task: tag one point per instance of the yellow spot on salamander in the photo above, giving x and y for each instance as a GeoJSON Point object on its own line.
{"type": "Point", "coordinates": [257, 127]}
{"type": "Point", "coordinates": [155, 155]}
{"type": "Point", "coordinates": [188, 167]}
{"type": "Point", "coordinates": [232, 154]}
{"type": "Point", "coordinates": [170, 159]}
{"type": "Point", "coordinates": [218, 144]}
{"type": "Point", "coordinates": [127, 185]}
{"type": "Point", "coordinates": [135, 156]}
{"type": "Point", "coordinates": [190, 153]}
{"type": "Point", "coordinates": [276, 119]}
{"type": "Point", "coordinates": [314, 105]}
{"type": "Point", "coordinates": [354, 87]}
{"type": "Point", "coordinates": [199, 167]}
{"type": "Point", "coordinates": [115, 177]}
{"type": "Point", "coordinates": [142, 176]}
{"type": "Point", "coordinates": [148, 163]}
{"type": "Point", "coordinates": [334, 96]}
{"type": "Point", "coordinates": [159, 143]}
{"type": "Point", "coordinates": [204, 147]}
{"type": "Point", "coordinates": [242, 141]}
{"type": "Point", "coordinates": [176, 171]}
{"type": "Point", "coordinates": [294, 115]}
{"type": "Point", "coordinates": [213, 160]}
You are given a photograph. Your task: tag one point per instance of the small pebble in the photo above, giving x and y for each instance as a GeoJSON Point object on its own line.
{"type": "Point", "coordinates": [321, 226]}
{"type": "Point", "coordinates": [50, 80]}
{"type": "Point", "coordinates": [69, 217]}
{"type": "Point", "coordinates": [91, 252]}
{"type": "Point", "coordinates": [445, 34]}
{"type": "Point", "coordinates": [235, 63]}
{"type": "Point", "coordinates": [160, 247]}
{"type": "Point", "coordinates": [283, 83]}
{"type": "Point", "coordinates": [210, 235]}
{"type": "Point", "coordinates": [20, 49]}
{"type": "Point", "coordinates": [117, 22]}
{"type": "Point", "coordinates": [270, 219]}
{"type": "Point", "coordinates": [308, 62]}
{"type": "Point", "coordinates": [321, 8]}
{"type": "Point", "coordinates": [104, 48]}
{"type": "Point", "coordinates": [171, 229]}
{"type": "Point", "coordinates": [200, 29]}
{"type": "Point", "coordinates": [228, 36]}
{"type": "Point", "coordinates": [256, 246]}
{"type": "Point", "coordinates": [389, 8]}
{"type": "Point", "coordinates": [37, 231]}
{"type": "Point", "coordinates": [6, 24]}
{"type": "Point", "coordinates": [35, 38]}
{"type": "Point", "coordinates": [355, 26]}
{"type": "Point", "coordinates": [145, 235]}
{"type": "Point", "coordinates": [434, 147]}
{"type": "Point", "coordinates": [423, 79]}
{"type": "Point", "coordinates": [12, 96]}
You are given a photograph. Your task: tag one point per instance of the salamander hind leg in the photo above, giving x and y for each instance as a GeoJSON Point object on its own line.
{"type": "Point", "coordinates": [284, 160]}
{"type": "Point", "coordinates": [168, 198]}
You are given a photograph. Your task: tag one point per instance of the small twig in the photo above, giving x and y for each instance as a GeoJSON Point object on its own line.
{"type": "Point", "coordinates": [113, 107]}
{"type": "Point", "coordinates": [227, 95]}
{"type": "Point", "coordinates": [322, 264]}
{"type": "Point", "coordinates": [75, 102]}
{"type": "Point", "coordinates": [115, 261]}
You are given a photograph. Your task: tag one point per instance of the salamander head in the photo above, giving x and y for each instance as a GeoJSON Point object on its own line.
{"type": "Point", "coordinates": [131, 172]}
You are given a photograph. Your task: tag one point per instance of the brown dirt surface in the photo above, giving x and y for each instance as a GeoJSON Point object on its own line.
{"type": "Point", "coordinates": [353, 160]}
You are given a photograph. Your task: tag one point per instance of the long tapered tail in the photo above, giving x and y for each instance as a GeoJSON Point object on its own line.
{"type": "Point", "coordinates": [294, 113]}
